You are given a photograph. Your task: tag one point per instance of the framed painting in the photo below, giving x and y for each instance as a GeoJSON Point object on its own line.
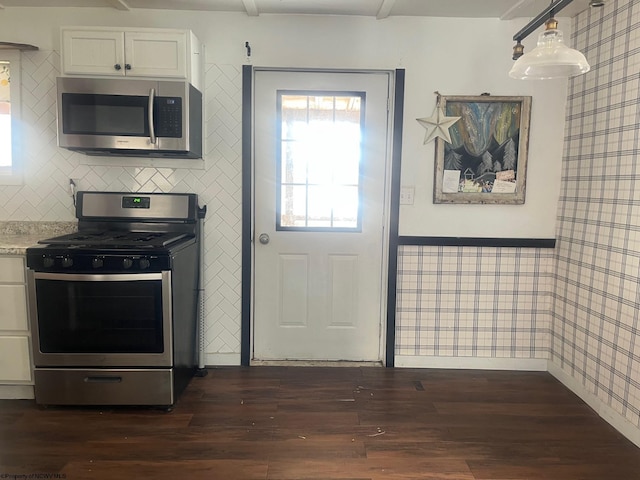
{"type": "Point", "coordinates": [486, 161]}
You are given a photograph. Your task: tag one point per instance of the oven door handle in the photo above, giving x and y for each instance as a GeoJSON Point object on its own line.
{"type": "Point", "coordinates": [103, 379]}
{"type": "Point", "coordinates": [83, 277]}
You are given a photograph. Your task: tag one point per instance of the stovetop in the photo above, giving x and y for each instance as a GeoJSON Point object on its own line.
{"type": "Point", "coordinates": [122, 232]}
{"type": "Point", "coordinates": [115, 239]}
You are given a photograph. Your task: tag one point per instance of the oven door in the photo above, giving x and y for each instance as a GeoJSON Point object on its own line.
{"type": "Point", "coordinates": [89, 320]}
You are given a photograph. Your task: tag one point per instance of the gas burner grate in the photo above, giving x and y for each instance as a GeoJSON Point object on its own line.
{"type": "Point", "coordinates": [116, 239]}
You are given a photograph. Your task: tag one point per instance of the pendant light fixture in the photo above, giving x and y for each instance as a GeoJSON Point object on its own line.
{"type": "Point", "coordinates": [551, 58]}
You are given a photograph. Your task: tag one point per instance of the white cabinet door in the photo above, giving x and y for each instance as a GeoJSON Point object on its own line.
{"type": "Point", "coordinates": [11, 270]}
{"type": "Point", "coordinates": [13, 308]}
{"type": "Point", "coordinates": [151, 54]}
{"type": "Point", "coordinates": [13, 297]}
{"type": "Point", "coordinates": [15, 365]}
{"type": "Point", "coordinates": [15, 359]}
{"type": "Point", "coordinates": [88, 52]}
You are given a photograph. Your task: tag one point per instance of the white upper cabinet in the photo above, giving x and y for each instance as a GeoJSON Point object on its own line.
{"type": "Point", "coordinates": [143, 52]}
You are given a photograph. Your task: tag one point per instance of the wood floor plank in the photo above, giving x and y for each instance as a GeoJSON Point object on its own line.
{"type": "Point", "coordinates": [163, 470]}
{"type": "Point", "coordinates": [382, 468]}
{"type": "Point", "coordinates": [539, 471]}
{"type": "Point", "coordinates": [512, 409]}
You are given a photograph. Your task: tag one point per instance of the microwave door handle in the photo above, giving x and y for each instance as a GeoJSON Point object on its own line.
{"type": "Point", "coordinates": [152, 133]}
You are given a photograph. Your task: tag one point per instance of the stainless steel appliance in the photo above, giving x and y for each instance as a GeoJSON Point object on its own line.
{"type": "Point", "coordinates": [114, 306]}
{"type": "Point", "coordinates": [130, 117]}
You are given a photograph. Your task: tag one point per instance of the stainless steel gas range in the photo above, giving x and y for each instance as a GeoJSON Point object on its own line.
{"type": "Point", "coordinates": [114, 306]}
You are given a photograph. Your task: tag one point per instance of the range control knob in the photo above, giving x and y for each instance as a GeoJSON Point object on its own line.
{"type": "Point", "coordinates": [97, 262]}
{"type": "Point", "coordinates": [144, 263]}
{"type": "Point", "coordinates": [127, 263]}
{"type": "Point", "coordinates": [47, 262]}
{"type": "Point", "coordinates": [67, 262]}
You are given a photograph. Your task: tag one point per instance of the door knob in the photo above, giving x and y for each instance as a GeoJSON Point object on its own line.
{"type": "Point", "coordinates": [264, 238]}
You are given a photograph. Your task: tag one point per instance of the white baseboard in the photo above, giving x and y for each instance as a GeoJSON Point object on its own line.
{"type": "Point", "coordinates": [472, 363]}
{"type": "Point", "coordinates": [221, 359]}
{"type": "Point", "coordinates": [616, 420]}
{"type": "Point", "coordinates": [16, 392]}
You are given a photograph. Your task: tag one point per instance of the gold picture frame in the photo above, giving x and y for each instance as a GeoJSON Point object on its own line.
{"type": "Point", "coordinates": [486, 161]}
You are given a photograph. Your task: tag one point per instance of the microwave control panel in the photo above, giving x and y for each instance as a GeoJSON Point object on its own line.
{"type": "Point", "coordinates": [168, 117]}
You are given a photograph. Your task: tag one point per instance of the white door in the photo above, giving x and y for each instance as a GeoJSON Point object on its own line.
{"type": "Point", "coordinates": [320, 163]}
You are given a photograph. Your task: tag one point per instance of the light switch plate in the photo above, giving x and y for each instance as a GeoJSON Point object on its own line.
{"type": "Point", "coordinates": [406, 195]}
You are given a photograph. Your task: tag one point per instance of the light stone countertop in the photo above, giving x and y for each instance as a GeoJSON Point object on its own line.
{"type": "Point", "coordinates": [16, 237]}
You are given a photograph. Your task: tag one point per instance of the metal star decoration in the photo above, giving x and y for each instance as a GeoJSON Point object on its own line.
{"type": "Point", "coordinates": [437, 125]}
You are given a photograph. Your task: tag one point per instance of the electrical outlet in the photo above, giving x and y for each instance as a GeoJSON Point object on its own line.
{"type": "Point", "coordinates": [73, 186]}
{"type": "Point", "coordinates": [406, 195]}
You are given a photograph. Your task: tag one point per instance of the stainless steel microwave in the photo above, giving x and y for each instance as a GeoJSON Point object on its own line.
{"type": "Point", "coordinates": [150, 118]}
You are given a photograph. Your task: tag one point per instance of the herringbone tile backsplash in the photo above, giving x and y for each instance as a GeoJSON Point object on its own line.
{"type": "Point", "coordinates": [44, 195]}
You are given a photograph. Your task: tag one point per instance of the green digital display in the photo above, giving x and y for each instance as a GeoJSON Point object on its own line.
{"type": "Point", "coordinates": [136, 202]}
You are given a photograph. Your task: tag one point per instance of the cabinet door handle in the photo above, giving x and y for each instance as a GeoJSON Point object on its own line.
{"type": "Point", "coordinates": [117, 66]}
{"type": "Point", "coordinates": [127, 66]}
{"type": "Point", "coordinates": [152, 132]}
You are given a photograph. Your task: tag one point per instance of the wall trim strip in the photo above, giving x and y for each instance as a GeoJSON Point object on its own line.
{"type": "Point", "coordinates": [16, 392]}
{"type": "Point", "coordinates": [473, 363]}
{"type": "Point", "coordinates": [478, 242]}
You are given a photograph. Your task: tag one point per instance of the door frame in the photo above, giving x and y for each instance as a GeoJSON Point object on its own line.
{"type": "Point", "coordinates": [391, 209]}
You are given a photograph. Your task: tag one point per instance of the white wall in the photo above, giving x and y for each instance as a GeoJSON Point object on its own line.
{"type": "Point", "coordinates": [452, 56]}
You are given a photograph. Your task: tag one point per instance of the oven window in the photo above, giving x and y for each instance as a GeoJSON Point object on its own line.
{"type": "Point", "coordinates": [100, 317]}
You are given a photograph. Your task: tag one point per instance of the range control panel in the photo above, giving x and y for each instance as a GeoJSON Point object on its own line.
{"type": "Point", "coordinates": [97, 263]}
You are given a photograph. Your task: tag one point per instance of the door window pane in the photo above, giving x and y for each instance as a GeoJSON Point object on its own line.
{"type": "Point", "coordinates": [294, 205]}
{"type": "Point", "coordinates": [320, 158]}
{"type": "Point", "coordinates": [320, 210]}
{"type": "Point", "coordinates": [293, 172]}
{"type": "Point", "coordinates": [343, 212]}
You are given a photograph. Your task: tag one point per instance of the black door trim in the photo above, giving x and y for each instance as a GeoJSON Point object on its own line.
{"type": "Point", "coordinates": [392, 271]}
{"type": "Point", "coordinates": [247, 215]}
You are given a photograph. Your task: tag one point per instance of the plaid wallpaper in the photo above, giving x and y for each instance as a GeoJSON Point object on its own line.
{"type": "Point", "coordinates": [473, 301]}
{"type": "Point", "coordinates": [580, 304]}
{"type": "Point", "coordinates": [596, 304]}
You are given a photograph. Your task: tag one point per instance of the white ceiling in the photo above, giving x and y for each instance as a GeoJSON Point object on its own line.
{"type": "Point", "coordinates": [504, 9]}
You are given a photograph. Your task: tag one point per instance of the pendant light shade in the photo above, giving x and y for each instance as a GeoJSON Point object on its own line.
{"type": "Point", "coordinates": [550, 59]}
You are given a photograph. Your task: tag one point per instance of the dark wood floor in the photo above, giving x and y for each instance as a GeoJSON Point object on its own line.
{"type": "Point", "coordinates": [328, 423]}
